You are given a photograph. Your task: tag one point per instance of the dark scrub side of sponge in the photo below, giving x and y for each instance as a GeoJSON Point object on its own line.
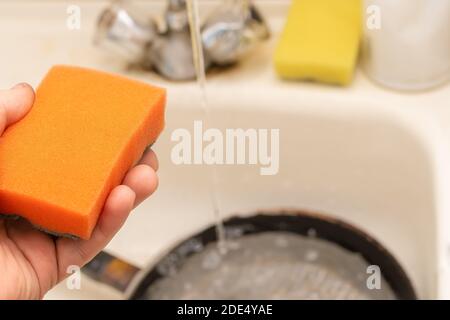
{"type": "Point", "coordinates": [83, 133]}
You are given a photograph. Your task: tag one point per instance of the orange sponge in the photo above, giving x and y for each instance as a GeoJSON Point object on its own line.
{"type": "Point", "coordinates": [85, 130]}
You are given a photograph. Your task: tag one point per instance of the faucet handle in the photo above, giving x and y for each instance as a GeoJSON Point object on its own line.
{"type": "Point", "coordinates": [232, 30]}
{"type": "Point", "coordinates": [122, 32]}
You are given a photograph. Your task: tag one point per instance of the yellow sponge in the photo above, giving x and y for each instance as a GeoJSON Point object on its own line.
{"type": "Point", "coordinates": [320, 41]}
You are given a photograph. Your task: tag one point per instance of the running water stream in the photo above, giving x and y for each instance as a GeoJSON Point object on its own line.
{"type": "Point", "coordinates": [199, 63]}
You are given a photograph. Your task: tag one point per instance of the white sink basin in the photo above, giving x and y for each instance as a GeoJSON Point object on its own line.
{"type": "Point", "coordinates": [373, 158]}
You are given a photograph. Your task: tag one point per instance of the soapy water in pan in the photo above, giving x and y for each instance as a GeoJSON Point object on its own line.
{"type": "Point", "coordinates": [269, 265]}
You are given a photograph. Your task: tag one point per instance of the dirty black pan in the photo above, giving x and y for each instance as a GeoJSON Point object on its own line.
{"type": "Point", "coordinates": [345, 241]}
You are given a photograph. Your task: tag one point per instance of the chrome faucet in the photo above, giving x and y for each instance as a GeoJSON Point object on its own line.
{"type": "Point", "coordinates": [228, 33]}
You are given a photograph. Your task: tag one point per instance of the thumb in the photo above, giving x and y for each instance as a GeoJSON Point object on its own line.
{"type": "Point", "coordinates": [14, 104]}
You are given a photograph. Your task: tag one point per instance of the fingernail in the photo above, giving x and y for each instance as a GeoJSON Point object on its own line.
{"type": "Point", "coordinates": [19, 85]}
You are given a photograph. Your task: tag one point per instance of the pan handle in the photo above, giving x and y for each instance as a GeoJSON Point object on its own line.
{"type": "Point", "coordinates": [111, 271]}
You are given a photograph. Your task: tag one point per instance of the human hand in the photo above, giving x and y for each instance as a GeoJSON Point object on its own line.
{"type": "Point", "coordinates": [32, 262]}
